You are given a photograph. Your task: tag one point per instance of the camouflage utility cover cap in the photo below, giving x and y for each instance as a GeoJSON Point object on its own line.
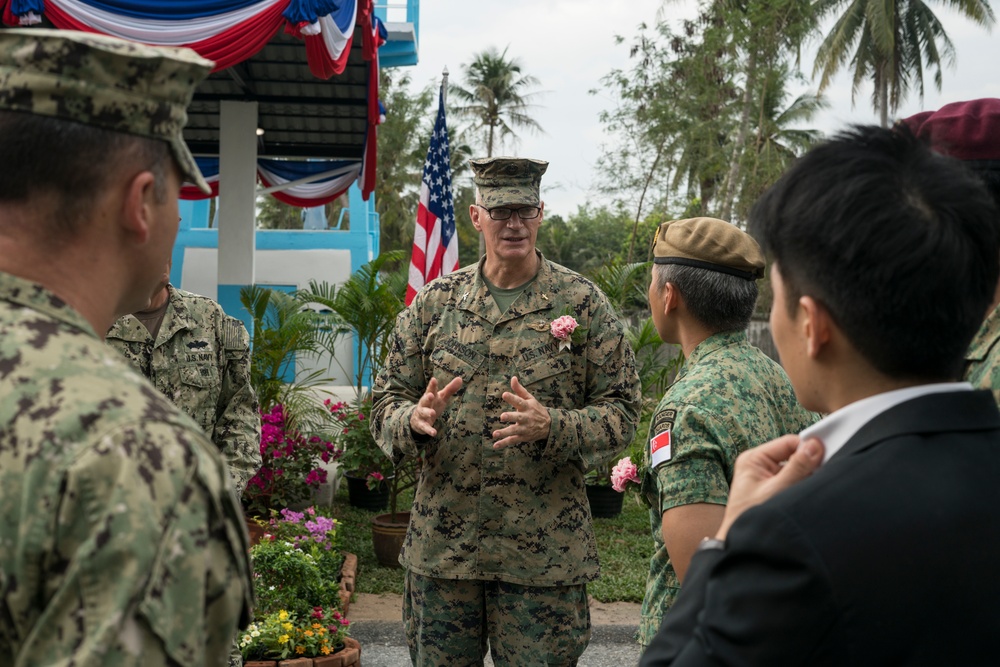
{"type": "Point", "coordinates": [506, 181]}
{"type": "Point", "coordinates": [105, 82]}
{"type": "Point", "coordinates": [708, 243]}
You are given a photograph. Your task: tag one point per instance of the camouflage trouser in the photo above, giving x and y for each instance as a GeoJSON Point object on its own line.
{"type": "Point", "coordinates": [235, 657]}
{"type": "Point", "coordinates": [449, 622]}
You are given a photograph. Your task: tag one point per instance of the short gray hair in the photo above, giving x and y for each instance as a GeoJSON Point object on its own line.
{"type": "Point", "coordinates": [719, 301]}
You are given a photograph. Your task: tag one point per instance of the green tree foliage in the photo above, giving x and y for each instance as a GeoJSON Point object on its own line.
{"type": "Point", "coordinates": [402, 147]}
{"type": "Point", "coordinates": [693, 126]}
{"type": "Point", "coordinates": [282, 331]}
{"type": "Point", "coordinates": [496, 97]}
{"type": "Point", "coordinates": [364, 306]}
{"type": "Point", "coordinates": [592, 237]}
{"type": "Point", "coordinates": [273, 214]}
{"type": "Point", "coordinates": [891, 43]}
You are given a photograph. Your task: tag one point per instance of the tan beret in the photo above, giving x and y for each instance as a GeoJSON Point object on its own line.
{"type": "Point", "coordinates": [506, 181]}
{"type": "Point", "coordinates": [708, 243]}
{"type": "Point", "coordinates": [104, 82]}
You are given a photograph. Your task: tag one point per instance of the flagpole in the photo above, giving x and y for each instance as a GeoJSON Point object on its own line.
{"type": "Point", "coordinates": [444, 85]}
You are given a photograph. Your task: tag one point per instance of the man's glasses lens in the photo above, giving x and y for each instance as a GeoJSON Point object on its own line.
{"type": "Point", "coordinates": [525, 213]}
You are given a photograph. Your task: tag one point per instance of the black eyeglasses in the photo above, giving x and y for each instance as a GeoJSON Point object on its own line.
{"type": "Point", "coordinates": [504, 213]}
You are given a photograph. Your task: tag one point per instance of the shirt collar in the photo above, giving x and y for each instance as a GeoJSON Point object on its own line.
{"type": "Point", "coordinates": [836, 429]}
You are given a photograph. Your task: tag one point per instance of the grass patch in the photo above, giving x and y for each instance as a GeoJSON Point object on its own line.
{"type": "Point", "coordinates": [623, 544]}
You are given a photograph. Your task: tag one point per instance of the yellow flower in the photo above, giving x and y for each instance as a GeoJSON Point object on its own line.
{"type": "Point", "coordinates": [282, 615]}
{"type": "Point", "coordinates": [283, 639]}
{"type": "Point", "coordinates": [287, 626]}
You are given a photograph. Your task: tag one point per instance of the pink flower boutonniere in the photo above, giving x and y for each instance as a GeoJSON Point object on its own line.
{"type": "Point", "coordinates": [562, 329]}
{"type": "Point", "coordinates": [624, 472]}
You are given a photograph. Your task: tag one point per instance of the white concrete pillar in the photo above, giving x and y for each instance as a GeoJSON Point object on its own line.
{"type": "Point", "coordinates": [237, 218]}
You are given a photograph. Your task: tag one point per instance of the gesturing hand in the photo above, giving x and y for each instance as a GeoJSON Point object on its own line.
{"type": "Point", "coordinates": [531, 418]}
{"type": "Point", "coordinates": [431, 405]}
{"type": "Point", "coordinates": [763, 471]}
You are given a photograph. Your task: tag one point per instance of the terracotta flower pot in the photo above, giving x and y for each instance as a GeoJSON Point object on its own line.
{"type": "Point", "coordinates": [388, 533]}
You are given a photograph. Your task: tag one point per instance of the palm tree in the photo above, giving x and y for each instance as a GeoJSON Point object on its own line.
{"type": "Point", "coordinates": [496, 97]}
{"type": "Point", "coordinates": [779, 139]}
{"type": "Point", "coordinates": [890, 42]}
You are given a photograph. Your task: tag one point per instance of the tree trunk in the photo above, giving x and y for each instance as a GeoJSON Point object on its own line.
{"type": "Point", "coordinates": [883, 102]}
{"type": "Point", "coordinates": [741, 138]}
{"type": "Point", "coordinates": [642, 197]}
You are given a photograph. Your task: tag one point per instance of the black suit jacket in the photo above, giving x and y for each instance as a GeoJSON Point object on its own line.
{"type": "Point", "coordinates": [887, 555]}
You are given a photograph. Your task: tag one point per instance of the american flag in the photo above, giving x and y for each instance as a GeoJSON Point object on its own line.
{"type": "Point", "coordinates": [435, 240]}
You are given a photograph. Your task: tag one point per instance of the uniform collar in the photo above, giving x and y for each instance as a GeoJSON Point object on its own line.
{"type": "Point", "coordinates": [37, 297]}
{"type": "Point", "coordinates": [536, 297]}
{"type": "Point", "coordinates": [716, 342]}
{"type": "Point", "coordinates": [985, 338]}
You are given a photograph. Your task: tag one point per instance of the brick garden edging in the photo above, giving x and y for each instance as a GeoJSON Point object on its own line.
{"type": "Point", "coordinates": [348, 575]}
{"type": "Point", "coordinates": [350, 656]}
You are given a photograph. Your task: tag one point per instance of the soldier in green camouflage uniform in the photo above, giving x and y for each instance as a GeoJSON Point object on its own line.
{"type": "Point", "coordinates": [199, 359]}
{"type": "Point", "coordinates": [728, 397]}
{"type": "Point", "coordinates": [970, 131]}
{"type": "Point", "coordinates": [507, 418]}
{"type": "Point", "coordinates": [121, 542]}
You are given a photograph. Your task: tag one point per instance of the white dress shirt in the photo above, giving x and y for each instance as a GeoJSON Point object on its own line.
{"type": "Point", "coordinates": [838, 427]}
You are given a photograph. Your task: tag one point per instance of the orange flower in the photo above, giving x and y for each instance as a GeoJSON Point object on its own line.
{"type": "Point", "coordinates": [300, 649]}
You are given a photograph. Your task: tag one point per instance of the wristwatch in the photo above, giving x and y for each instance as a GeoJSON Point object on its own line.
{"type": "Point", "coordinates": [710, 543]}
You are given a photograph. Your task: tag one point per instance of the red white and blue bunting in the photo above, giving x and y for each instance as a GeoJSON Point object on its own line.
{"type": "Point", "coordinates": [327, 179]}
{"type": "Point", "coordinates": [228, 32]}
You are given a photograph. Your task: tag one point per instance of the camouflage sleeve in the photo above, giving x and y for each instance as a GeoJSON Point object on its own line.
{"type": "Point", "coordinates": [153, 564]}
{"type": "Point", "coordinates": [237, 422]}
{"type": "Point", "coordinates": [697, 469]}
{"type": "Point", "coordinates": [604, 426]}
{"type": "Point", "coordinates": [397, 389]}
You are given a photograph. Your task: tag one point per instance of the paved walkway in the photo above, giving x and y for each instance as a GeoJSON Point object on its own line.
{"type": "Point", "coordinates": [376, 624]}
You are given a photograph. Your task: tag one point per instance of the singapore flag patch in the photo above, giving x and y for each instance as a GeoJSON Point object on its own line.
{"type": "Point", "coordinates": [659, 446]}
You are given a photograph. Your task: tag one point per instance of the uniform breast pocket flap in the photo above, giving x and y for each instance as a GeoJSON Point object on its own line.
{"type": "Point", "coordinates": [448, 365]}
{"type": "Point", "coordinates": [198, 375]}
{"type": "Point", "coordinates": [544, 368]}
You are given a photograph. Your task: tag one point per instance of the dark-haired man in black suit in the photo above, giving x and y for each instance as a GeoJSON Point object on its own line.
{"type": "Point", "coordinates": [872, 537]}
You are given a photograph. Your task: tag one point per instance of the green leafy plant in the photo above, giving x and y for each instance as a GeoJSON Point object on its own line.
{"type": "Point", "coordinates": [283, 634]}
{"type": "Point", "coordinates": [297, 565]}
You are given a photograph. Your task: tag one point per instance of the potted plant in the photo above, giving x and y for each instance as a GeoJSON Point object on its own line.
{"type": "Point", "coordinates": [314, 639]}
{"type": "Point", "coordinates": [290, 469]}
{"type": "Point", "coordinates": [297, 568]}
{"type": "Point", "coordinates": [367, 483]}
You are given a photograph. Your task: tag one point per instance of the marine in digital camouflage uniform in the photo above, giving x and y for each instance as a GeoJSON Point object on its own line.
{"type": "Point", "coordinates": [200, 360]}
{"type": "Point", "coordinates": [121, 542]}
{"type": "Point", "coordinates": [970, 132]}
{"type": "Point", "coordinates": [501, 543]}
{"type": "Point", "coordinates": [728, 397]}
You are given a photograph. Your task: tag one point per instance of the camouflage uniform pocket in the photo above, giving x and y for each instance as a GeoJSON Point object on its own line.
{"type": "Point", "coordinates": [549, 380]}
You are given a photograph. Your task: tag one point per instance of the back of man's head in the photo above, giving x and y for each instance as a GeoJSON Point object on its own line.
{"type": "Point", "coordinates": [80, 111]}
{"type": "Point", "coordinates": [901, 245]}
